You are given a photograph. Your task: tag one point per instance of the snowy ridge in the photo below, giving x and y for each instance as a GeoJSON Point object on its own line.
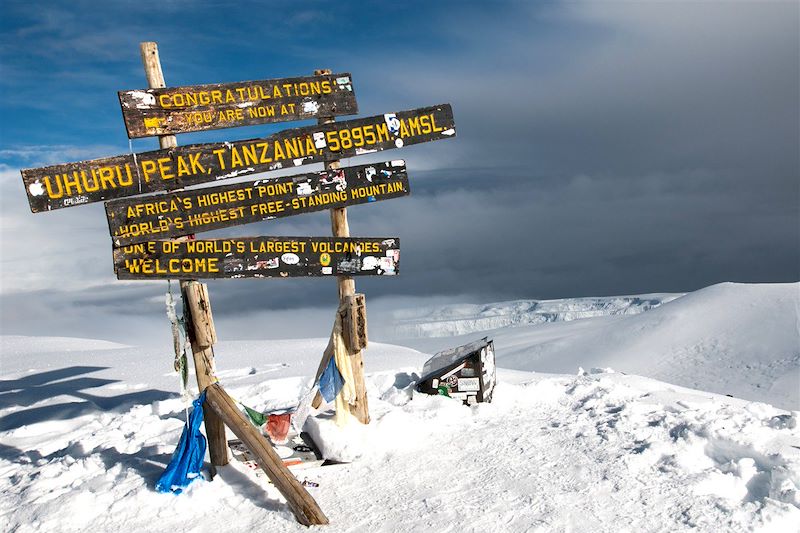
{"type": "Point", "coordinates": [13, 345]}
{"type": "Point", "coordinates": [460, 319]}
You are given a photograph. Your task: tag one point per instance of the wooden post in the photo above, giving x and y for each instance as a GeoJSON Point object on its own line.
{"type": "Point", "coordinates": [202, 336]}
{"type": "Point", "coordinates": [354, 327]}
{"type": "Point", "coordinates": [200, 312]}
{"type": "Point", "coordinates": [347, 288]}
{"type": "Point", "coordinates": [301, 503]}
{"type": "Point", "coordinates": [355, 323]}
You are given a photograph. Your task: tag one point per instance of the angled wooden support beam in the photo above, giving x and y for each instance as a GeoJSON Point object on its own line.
{"type": "Point", "coordinates": [304, 507]}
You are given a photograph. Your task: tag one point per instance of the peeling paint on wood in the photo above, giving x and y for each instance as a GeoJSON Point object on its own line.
{"type": "Point", "coordinates": [84, 182]}
{"type": "Point", "coordinates": [182, 213]}
{"type": "Point", "coordinates": [172, 110]}
{"type": "Point", "coordinates": [259, 257]}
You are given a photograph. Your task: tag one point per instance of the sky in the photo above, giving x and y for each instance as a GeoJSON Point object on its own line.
{"type": "Point", "coordinates": [603, 148]}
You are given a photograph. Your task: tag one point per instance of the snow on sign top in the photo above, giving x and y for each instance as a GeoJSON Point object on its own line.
{"type": "Point", "coordinates": [172, 110]}
{"type": "Point", "coordinates": [451, 357]}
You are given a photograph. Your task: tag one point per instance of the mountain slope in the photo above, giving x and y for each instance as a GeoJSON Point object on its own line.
{"type": "Point", "coordinates": [739, 339]}
{"type": "Point", "coordinates": [582, 453]}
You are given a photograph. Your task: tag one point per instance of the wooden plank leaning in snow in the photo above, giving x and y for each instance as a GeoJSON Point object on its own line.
{"type": "Point", "coordinates": [174, 214]}
{"type": "Point", "coordinates": [304, 507]}
{"type": "Point", "coordinates": [72, 184]}
{"type": "Point", "coordinates": [259, 257]}
{"type": "Point", "coordinates": [171, 110]}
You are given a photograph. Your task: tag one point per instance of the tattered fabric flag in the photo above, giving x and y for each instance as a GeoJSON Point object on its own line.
{"type": "Point", "coordinates": [303, 409]}
{"type": "Point", "coordinates": [259, 419]}
{"type": "Point", "coordinates": [187, 460]}
{"type": "Point", "coordinates": [277, 427]}
{"type": "Point", "coordinates": [331, 381]}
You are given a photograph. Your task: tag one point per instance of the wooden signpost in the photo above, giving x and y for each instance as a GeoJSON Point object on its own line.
{"type": "Point", "coordinates": [174, 214]}
{"type": "Point", "coordinates": [259, 257]}
{"type": "Point", "coordinates": [83, 182]}
{"type": "Point", "coordinates": [141, 226]}
{"type": "Point", "coordinates": [166, 111]}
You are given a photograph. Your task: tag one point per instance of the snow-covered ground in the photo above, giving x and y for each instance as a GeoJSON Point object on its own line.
{"type": "Point", "coordinates": [87, 426]}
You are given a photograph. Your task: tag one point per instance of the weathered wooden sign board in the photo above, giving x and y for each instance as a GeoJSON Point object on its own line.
{"type": "Point", "coordinates": [71, 184]}
{"type": "Point", "coordinates": [226, 105]}
{"type": "Point", "coordinates": [146, 218]}
{"type": "Point", "coordinates": [259, 257]}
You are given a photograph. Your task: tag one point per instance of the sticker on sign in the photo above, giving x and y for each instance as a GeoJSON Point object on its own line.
{"type": "Point", "coordinates": [468, 384]}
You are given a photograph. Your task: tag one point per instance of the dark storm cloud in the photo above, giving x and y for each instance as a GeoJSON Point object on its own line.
{"type": "Point", "coordinates": [609, 148]}
{"type": "Point", "coordinates": [659, 145]}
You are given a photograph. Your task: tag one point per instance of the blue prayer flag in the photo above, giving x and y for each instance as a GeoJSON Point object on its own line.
{"type": "Point", "coordinates": [331, 381]}
{"type": "Point", "coordinates": [187, 460]}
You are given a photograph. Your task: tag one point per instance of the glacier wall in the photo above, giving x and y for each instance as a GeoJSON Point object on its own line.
{"type": "Point", "coordinates": [461, 319]}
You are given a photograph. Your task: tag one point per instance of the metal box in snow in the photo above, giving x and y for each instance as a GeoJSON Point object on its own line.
{"type": "Point", "coordinates": [466, 372]}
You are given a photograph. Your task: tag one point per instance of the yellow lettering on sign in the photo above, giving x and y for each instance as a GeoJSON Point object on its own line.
{"type": "Point", "coordinates": [218, 152]}
{"type": "Point", "coordinates": [292, 148]}
{"type": "Point", "coordinates": [249, 152]}
{"type": "Point", "coordinates": [279, 152]}
{"type": "Point", "coordinates": [164, 168]}
{"type": "Point", "coordinates": [344, 138]}
{"type": "Point", "coordinates": [70, 183]}
{"type": "Point", "coordinates": [261, 111]}
{"type": "Point", "coordinates": [310, 148]}
{"type": "Point", "coordinates": [148, 168]}
{"type": "Point", "coordinates": [194, 160]}
{"type": "Point", "coordinates": [183, 168]}
{"type": "Point", "coordinates": [425, 124]}
{"type": "Point", "coordinates": [383, 132]}
{"type": "Point", "coordinates": [262, 157]}
{"type": "Point", "coordinates": [125, 182]}
{"type": "Point", "coordinates": [414, 126]}
{"type": "Point", "coordinates": [236, 160]}
{"type": "Point", "coordinates": [106, 175]}
{"type": "Point", "coordinates": [153, 123]}
{"type": "Point", "coordinates": [48, 183]}
{"type": "Point", "coordinates": [433, 122]}
{"type": "Point", "coordinates": [95, 185]}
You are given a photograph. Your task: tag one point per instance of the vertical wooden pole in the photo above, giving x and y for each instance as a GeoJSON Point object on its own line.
{"type": "Point", "coordinates": [203, 355]}
{"type": "Point", "coordinates": [347, 288]}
